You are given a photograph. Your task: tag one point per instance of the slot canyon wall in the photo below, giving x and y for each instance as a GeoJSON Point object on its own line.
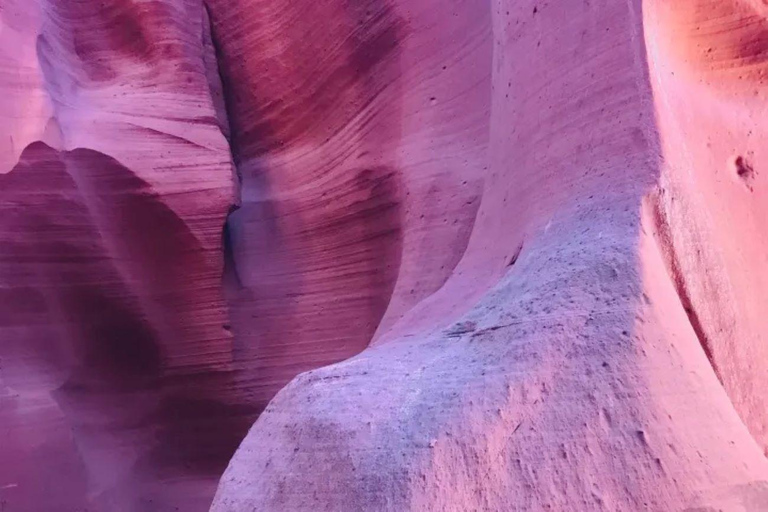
{"type": "Point", "coordinates": [401, 255]}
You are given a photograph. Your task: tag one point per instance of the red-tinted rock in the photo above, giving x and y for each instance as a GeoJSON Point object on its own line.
{"type": "Point", "coordinates": [113, 316]}
{"type": "Point", "coordinates": [557, 368]}
{"type": "Point", "coordinates": [533, 233]}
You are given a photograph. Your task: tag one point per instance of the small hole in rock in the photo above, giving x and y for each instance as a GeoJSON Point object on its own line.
{"type": "Point", "coordinates": [743, 170]}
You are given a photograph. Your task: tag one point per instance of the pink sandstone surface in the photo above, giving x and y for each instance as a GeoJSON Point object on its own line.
{"type": "Point", "coordinates": [455, 255]}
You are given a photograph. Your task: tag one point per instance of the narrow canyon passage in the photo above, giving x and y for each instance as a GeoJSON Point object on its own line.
{"type": "Point", "coordinates": [382, 255]}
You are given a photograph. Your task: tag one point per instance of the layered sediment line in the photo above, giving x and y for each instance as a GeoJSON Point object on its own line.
{"type": "Point", "coordinates": [496, 255]}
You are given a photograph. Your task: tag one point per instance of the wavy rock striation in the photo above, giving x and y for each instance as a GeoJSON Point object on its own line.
{"type": "Point", "coordinates": [529, 235]}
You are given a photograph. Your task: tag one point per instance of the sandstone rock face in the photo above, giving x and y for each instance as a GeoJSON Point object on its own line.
{"type": "Point", "coordinates": [530, 235]}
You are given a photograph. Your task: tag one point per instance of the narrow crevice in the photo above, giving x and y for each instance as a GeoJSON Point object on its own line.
{"type": "Point", "coordinates": [230, 273]}
{"type": "Point", "coordinates": [222, 85]}
{"type": "Point", "coordinates": [218, 88]}
{"type": "Point", "coordinates": [513, 259]}
{"type": "Point", "coordinates": [230, 266]}
{"type": "Point", "coordinates": [664, 240]}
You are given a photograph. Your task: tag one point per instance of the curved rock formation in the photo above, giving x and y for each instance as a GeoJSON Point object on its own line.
{"type": "Point", "coordinates": [529, 234]}
{"type": "Point", "coordinates": [114, 319]}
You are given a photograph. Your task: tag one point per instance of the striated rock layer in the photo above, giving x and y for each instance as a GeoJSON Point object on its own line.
{"type": "Point", "coordinates": [530, 234]}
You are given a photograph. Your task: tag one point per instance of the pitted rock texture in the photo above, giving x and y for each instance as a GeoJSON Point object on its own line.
{"type": "Point", "coordinates": [436, 255]}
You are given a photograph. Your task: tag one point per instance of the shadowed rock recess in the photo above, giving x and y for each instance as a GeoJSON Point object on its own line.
{"type": "Point", "coordinates": [383, 255]}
